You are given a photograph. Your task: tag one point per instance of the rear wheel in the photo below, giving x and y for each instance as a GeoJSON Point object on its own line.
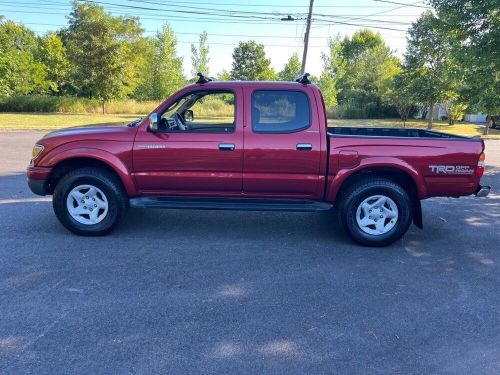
{"type": "Point", "coordinates": [375, 211]}
{"type": "Point", "coordinates": [89, 201]}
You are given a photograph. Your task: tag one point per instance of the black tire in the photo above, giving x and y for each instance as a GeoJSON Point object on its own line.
{"type": "Point", "coordinates": [357, 193]}
{"type": "Point", "coordinates": [108, 183]}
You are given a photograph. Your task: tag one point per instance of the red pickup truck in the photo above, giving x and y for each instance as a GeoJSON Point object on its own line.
{"type": "Point", "coordinates": [271, 149]}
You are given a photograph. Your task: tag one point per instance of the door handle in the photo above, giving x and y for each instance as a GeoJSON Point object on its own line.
{"type": "Point", "coordinates": [304, 146]}
{"type": "Point", "coordinates": [226, 146]}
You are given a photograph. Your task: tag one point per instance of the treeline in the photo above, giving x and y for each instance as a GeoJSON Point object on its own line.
{"type": "Point", "coordinates": [99, 56]}
{"type": "Point", "coordinates": [452, 59]}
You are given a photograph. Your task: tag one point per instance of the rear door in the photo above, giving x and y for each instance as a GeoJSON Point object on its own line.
{"type": "Point", "coordinates": [282, 144]}
{"type": "Point", "coordinates": [201, 156]}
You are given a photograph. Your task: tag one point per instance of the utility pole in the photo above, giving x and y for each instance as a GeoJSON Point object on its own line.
{"type": "Point", "coordinates": [306, 37]}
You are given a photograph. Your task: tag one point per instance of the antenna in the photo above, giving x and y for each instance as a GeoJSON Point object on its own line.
{"type": "Point", "coordinates": [304, 79]}
{"type": "Point", "coordinates": [203, 79]}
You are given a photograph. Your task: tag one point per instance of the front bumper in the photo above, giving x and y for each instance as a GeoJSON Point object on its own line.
{"type": "Point", "coordinates": [483, 191]}
{"type": "Point", "coordinates": [38, 180]}
{"type": "Point", "coordinates": [38, 187]}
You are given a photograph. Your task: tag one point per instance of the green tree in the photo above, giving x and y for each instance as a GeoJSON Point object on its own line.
{"type": "Point", "coordinates": [162, 73]}
{"type": "Point", "coordinates": [102, 50]}
{"type": "Point", "coordinates": [20, 71]}
{"type": "Point", "coordinates": [250, 63]}
{"type": "Point", "coordinates": [52, 54]}
{"type": "Point", "coordinates": [454, 108]}
{"type": "Point", "coordinates": [333, 71]}
{"type": "Point", "coordinates": [429, 63]}
{"type": "Point", "coordinates": [224, 75]}
{"type": "Point", "coordinates": [199, 56]}
{"type": "Point", "coordinates": [358, 74]}
{"type": "Point", "coordinates": [291, 70]}
{"type": "Point", "coordinates": [400, 96]}
{"type": "Point", "coordinates": [359, 44]}
{"type": "Point", "coordinates": [473, 27]}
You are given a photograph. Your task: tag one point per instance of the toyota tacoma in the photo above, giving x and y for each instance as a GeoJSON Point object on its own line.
{"type": "Point", "coordinates": [253, 146]}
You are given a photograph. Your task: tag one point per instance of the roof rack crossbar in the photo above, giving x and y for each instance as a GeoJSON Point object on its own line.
{"type": "Point", "coordinates": [203, 79]}
{"type": "Point", "coordinates": [304, 79]}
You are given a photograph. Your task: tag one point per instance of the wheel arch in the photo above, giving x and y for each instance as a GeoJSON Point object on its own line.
{"type": "Point", "coordinates": [408, 179]}
{"type": "Point", "coordinates": [95, 158]}
{"type": "Point", "coordinates": [396, 175]}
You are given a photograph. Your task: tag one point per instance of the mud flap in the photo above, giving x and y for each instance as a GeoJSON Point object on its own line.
{"type": "Point", "coordinates": [417, 214]}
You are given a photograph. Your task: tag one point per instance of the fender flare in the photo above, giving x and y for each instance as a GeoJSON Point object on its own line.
{"type": "Point", "coordinates": [336, 181]}
{"type": "Point", "coordinates": [107, 158]}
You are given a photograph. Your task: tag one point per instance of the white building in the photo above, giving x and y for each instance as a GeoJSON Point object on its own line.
{"type": "Point", "coordinates": [440, 114]}
{"type": "Point", "coordinates": [477, 117]}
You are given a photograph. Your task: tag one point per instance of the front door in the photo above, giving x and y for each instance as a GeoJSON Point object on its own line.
{"type": "Point", "coordinates": [198, 149]}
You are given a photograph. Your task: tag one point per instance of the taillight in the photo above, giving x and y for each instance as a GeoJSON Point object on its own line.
{"type": "Point", "coordinates": [480, 165]}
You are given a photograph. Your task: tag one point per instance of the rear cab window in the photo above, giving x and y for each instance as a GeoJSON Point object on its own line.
{"type": "Point", "coordinates": [280, 111]}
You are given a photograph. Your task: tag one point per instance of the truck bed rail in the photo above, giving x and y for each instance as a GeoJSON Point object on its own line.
{"type": "Point", "coordinates": [392, 133]}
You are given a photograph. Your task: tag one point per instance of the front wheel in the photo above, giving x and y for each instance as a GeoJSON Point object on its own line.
{"type": "Point", "coordinates": [89, 201]}
{"type": "Point", "coordinates": [375, 212]}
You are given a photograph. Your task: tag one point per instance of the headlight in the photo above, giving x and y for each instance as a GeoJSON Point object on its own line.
{"type": "Point", "coordinates": [37, 150]}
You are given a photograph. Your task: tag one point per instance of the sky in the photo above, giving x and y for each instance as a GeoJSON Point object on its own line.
{"type": "Point", "coordinates": [229, 21]}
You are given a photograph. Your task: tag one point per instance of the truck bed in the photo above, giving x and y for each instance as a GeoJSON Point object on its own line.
{"type": "Point", "coordinates": [391, 133]}
{"type": "Point", "coordinates": [442, 164]}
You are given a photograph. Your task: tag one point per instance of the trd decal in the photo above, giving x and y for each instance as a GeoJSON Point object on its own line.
{"type": "Point", "coordinates": [451, 169]}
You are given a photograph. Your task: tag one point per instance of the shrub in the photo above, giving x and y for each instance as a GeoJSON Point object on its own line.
{"type": "Point", "coordinates": [331, 112]}
{"type": "Point", "coordinates": [351, 110]}
{"type": "Point", "coordinates": [355, 110]}
{"type": "Point", "coordinates": [70, 104]}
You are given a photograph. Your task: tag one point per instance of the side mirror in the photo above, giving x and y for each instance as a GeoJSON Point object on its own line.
{"type": "Point", "coordinates": [188, 115]}
{"type": "Point", "coordinates": [153, 122]}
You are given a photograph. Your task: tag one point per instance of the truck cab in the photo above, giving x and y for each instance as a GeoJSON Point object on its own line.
{"type": "Point", "coordinates": [269, 144]}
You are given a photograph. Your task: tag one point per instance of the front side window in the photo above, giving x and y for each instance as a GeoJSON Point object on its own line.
{"type": "Point", "coordinates": [275, 111]}
{"type": "Point", "coordinates": [200, 112]}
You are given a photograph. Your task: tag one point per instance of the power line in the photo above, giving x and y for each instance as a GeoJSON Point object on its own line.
{"type": "Point", "coordinates": [182, 11]}
{"type": "Point", "coordinates": [358, 24]}
{"type": "Point", "coordinates": [228, 13]}
{"type": "Point", "coordinates": [268, 4]}
{"type": "Point", "coordinates": [383, 12]}
{"type": "Point", "coordinates": [58, 5]}
{"type": "Point", "coordinates": [405, 4]}
{"type": "Point", "coordinates": [211, 34]}
{"type": "Point", "coordinates": [227, 16]}
{"type": "Point", "coordinates": [214, 18]}
{"type": "Point", "coordinates": [168, 19]}
{"type": "Point", "coordinates": [188, 33]}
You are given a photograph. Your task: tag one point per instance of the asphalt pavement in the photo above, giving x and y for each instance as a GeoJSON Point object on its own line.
{"type": "Point", "coordinates": [175, 292]}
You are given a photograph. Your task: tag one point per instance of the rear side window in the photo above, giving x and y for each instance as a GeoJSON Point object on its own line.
{"type": "Point", "coordinates": [275, 111]}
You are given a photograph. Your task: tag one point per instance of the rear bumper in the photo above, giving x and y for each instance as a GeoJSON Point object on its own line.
{"type": "Point", "coordinates": [483, 191]}
{"type": "Point", "coordinates": [38, 178]}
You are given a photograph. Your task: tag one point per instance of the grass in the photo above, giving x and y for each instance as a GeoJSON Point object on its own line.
{"type": "Point", "coordinates": [51, 121]}
{"type": "Point", "coordinates": [69, 104]}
